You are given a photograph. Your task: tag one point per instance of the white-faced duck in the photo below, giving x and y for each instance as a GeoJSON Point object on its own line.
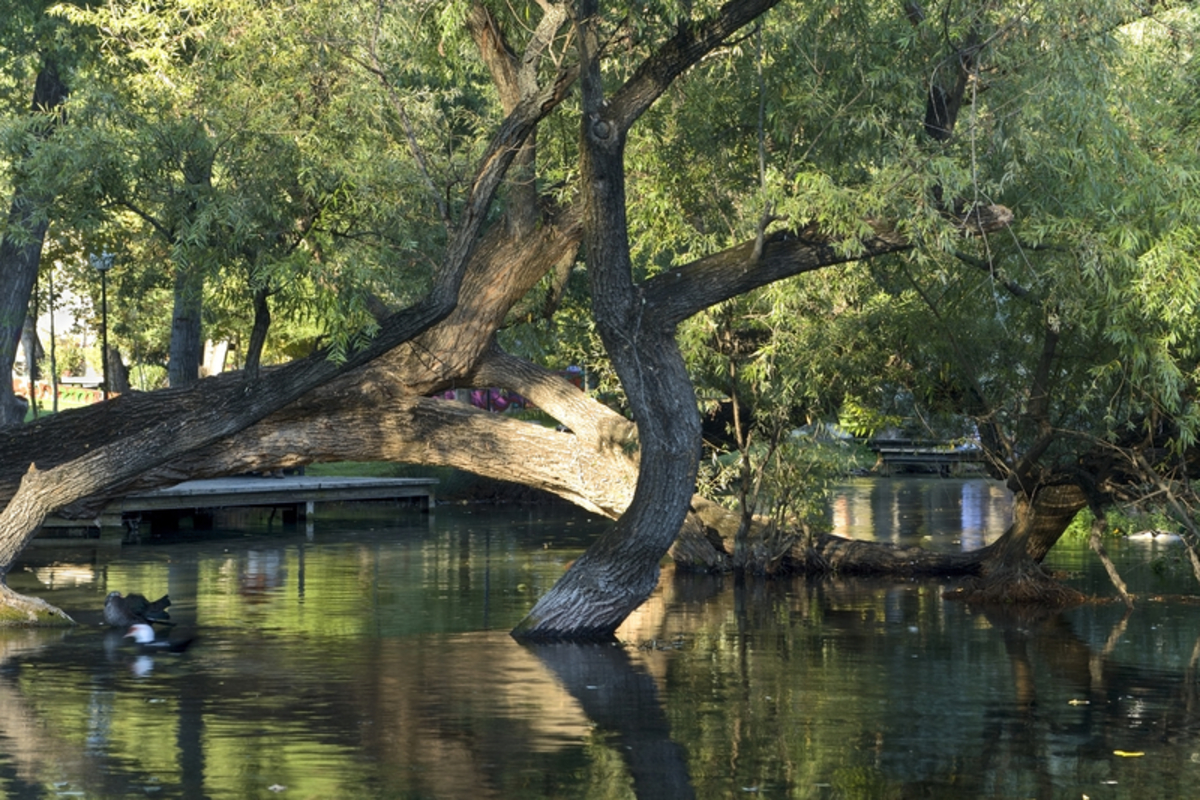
{"type": "Point", "coordinates": [148, 642]}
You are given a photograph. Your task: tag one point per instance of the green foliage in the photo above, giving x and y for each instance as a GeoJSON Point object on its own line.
{"type": "Point", "coordinates": [1123, 522]}
{"type": "Point", "coordinates": [864, 421]}
{"type": "Point", "coordinates": [795, 475]}
{"type": "Point", "coordinates": [770, 354]}
{"type": "Point", "coordinates": [148, 377]}
{"type": "Point", "coordinates": [1078, 123]}
{"type": "Point", "coordinates": [69, 359]}
{"type": "Point", "coordinates": [316, 151]}
{"type": "Point", "coordinates": [260, 146]}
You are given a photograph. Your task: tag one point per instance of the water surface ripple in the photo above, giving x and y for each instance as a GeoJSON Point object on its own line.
{"type": "Point", "coordinates": [368, 657]}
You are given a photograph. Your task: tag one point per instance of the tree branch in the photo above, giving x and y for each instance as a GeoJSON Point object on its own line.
{"type": "Point", "coordinates": [690, 44]}
{"type": "Point", "coordinates": [1015, 289]}
{"type": "Point", "coordinates": [375, 67]}
{"type": "Point", "coordinates": [226, 405]}
{"type": "Point", "coordinates": [1038, 410]}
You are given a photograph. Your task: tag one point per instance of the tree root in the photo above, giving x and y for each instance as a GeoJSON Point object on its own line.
{"type": "Point", "coordinates": [1029, 586]}
{"type": "Point", "coordinates": [18, 610]}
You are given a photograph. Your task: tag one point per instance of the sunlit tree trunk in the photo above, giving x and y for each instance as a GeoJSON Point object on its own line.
{"type": "Point", "coordinates": [620, 570]}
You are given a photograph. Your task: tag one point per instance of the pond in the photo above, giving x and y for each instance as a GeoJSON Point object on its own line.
{"type": "Point", "coordinates": [369, 657]}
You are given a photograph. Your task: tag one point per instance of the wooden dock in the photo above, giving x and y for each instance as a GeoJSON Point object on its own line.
{"type": "Point", "coordinates": [924, 455]}
{"type": "Point", "coordinates": [294, 496]}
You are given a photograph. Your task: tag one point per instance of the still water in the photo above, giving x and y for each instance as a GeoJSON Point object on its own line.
{"type": "Point", "coordinates": [369, 657]}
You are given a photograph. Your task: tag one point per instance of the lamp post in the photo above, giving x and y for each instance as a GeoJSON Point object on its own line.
{"type": "Point", "coordinates": [103, 263]}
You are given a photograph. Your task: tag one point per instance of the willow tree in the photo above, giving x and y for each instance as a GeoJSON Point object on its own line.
{"type": "Point", "coordinates": [1069, 339]}
{"type": "Point", "coordinates": [1094, 299]}
{"type": "Point", "coordinates": [659, 171]}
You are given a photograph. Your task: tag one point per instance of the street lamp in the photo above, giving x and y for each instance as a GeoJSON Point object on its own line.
{"type": "Point", "coordinates": [103, 262]}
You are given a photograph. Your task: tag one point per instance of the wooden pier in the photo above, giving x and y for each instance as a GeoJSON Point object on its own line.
{"type": "Point", "coordinates": [294, 496]}
{"type": "Point", "coordinates": [942, 458]}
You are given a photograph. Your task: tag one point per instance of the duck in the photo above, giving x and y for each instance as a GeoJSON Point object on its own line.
{"type": "Point", "coordinates": [143, 635]}
{"type": "Point", "coordinates": [1154, 535]}
{"type": "Point", "coordinates": [121, 612]}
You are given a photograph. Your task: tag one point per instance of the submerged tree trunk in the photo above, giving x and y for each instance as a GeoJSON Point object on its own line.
{"type": "Point", "coordinates": [1010, 570]}
{"type": "Point", "coordinates": [619, 571]}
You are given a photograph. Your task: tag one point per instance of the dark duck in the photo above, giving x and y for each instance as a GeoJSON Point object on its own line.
{"type": "Point", "coordinates": [122, 612]}
{"type": "Point", "coordinates": [148, 642]}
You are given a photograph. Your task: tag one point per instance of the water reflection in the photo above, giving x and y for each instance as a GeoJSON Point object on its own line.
{"type": "Point", "coordinates": [622, 700]}
{"type": "Point", "coordinates": [870, 689]}
{"type": "Point", "coordinates": [371, 659]}
{"type": "Point", "coordinates": [918, 510]}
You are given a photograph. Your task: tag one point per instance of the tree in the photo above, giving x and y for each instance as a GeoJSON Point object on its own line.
{"type": "Point", "coordinates": [24, 231]}
{"type": "Point", "coordinates": [1075, 364]}
{"type": "Point", "coordinates": [883, 186]}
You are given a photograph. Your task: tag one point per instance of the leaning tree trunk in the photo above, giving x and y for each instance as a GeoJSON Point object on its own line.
{"type": "Point", "coordinates": [373, 405]}
{"type": "Point", "coordinates": [220, 408]}
{"type": "Point", "coordinates": [620, 570]}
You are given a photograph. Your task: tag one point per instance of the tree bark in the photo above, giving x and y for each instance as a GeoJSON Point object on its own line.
{"type": "Point", "coordinates": [118, 372]}
{"type": "Point", "coordinates": [590, 465]}
{"type": "Point", "coordinates": [620, 570]}
{"type": "Point", "coordinates": [31, 346]}
{"type": "Point", "coordinates": [187, 340]}
{"type": "Point", "coordinates": [21, 249]}
{"type": "Point", "coordinates": [1010, 570]}
{"type": "Point", "coordinates": [258, 334]}
{"type": "Point", "coordinates": [515, 77]}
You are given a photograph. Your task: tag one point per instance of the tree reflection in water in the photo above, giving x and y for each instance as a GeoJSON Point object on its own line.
{"type": "Point", "coordinates": [372, 660]}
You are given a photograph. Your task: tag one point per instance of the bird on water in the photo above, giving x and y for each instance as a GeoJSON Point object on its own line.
{"type": "Point", "coordinates": [121, 612]}
{"type": "Point", "coordinates": [147, 642]}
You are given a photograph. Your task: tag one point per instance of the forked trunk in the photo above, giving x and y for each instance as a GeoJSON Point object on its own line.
{"type": "Point", "coordinates": [619, 571]}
